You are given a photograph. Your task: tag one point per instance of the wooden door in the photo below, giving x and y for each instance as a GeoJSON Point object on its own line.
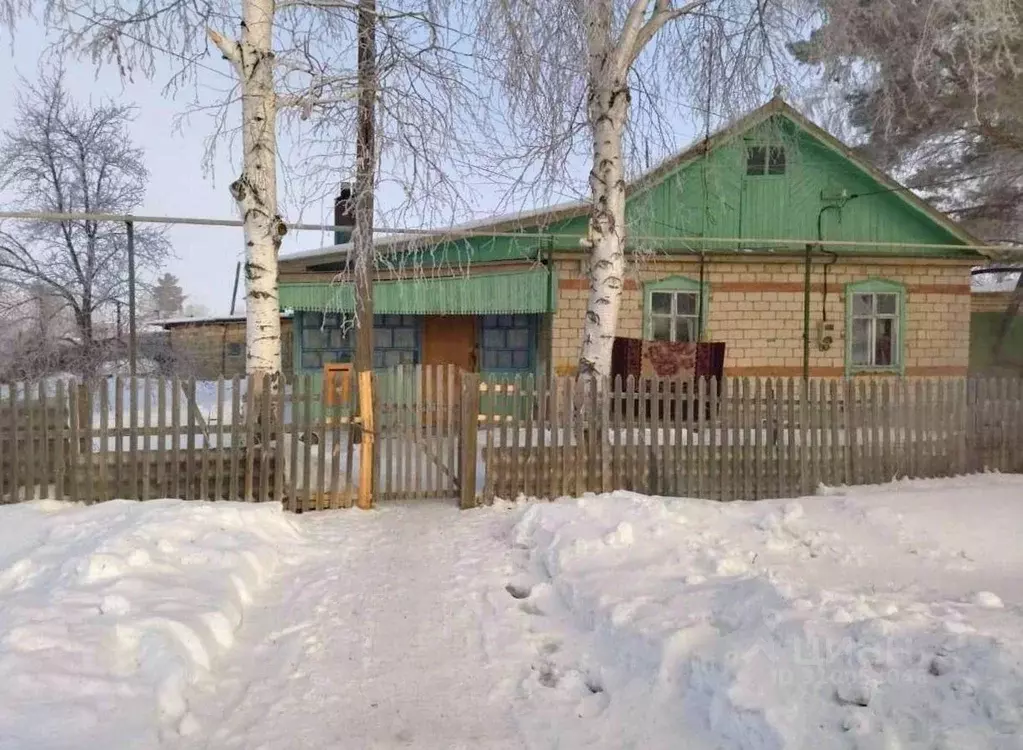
{"type": "Point", "coordinates": [450, 339]}
{"type": "Point", "coordinates": [447, 340]}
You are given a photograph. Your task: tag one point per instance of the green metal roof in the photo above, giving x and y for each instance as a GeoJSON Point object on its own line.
{"type": "Point", "coordinates": [515, 292]}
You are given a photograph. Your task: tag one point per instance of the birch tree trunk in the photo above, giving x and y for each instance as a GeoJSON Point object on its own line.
{"type": "Point", "coordinates": [609, 108]}
{"type": "Point", "coordinates": [255, 190]}
{"type": "Point", "coordinates": [610, 60]}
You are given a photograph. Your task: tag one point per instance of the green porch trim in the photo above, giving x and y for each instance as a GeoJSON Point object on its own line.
{"type": "Point", "coordinates": [876, 286]}
{"type": "Point", "coordinates": [515, 292]}
{"type": "Point", "coordinates": [676, 284]}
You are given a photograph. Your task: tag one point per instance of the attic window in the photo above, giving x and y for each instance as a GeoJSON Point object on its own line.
{"type": "Point", "coordinates": [761, 160]}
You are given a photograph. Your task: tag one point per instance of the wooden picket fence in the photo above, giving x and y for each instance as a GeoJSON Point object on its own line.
{"type": "Point", "coordinates": [737, 438]}
{"type": "Point", "coordinates": [171, 438]}
{"type": "Point", "coordinates": [441, 433]}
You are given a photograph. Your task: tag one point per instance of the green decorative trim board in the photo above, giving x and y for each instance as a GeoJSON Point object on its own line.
{"type": "Point", "coordinates": [517, 292]}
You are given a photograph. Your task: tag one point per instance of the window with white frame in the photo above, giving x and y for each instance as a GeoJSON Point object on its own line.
{"type": "Point", "coordinates": [765, 160]}
{"type": "Point", "coordinates": [874, 329]}
{"type": "Point", "coordinates": [674, 315]}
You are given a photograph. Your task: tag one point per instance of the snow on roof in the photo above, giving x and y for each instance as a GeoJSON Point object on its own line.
{"type": "Point", "coordinates": [453, 231]}
{"type": "Point", "coordinates": [991, 283]}
{"type": "Point", "coordinates": [202, 320]}
{"type": "Point", "coordinates": [696, 149]}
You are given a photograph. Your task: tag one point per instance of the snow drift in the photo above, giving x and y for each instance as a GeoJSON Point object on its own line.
{"type": "Point", "coordinates": [872, 618]}
{"type": "Point", "coordinates": [111, 612]}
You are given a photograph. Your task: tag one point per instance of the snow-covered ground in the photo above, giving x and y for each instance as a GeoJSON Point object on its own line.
{"type": "Point", "coordinates": [111, 614]}
{"type": "Point", "coordinates": [887, 617]}
{"type": "Point", "coordinates": [871, 618]}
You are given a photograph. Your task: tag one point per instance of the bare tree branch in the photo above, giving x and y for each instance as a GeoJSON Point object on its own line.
{"type": "Point", "coordinates": [66, 157]}
{"type": "Point", "coordinates": [612, 70]}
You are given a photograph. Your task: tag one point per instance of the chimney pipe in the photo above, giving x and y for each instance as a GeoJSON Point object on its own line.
{"type": "Point", "coordinates": [344, 214]}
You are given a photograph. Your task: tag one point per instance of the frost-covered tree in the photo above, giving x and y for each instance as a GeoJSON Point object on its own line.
{"type": "Point", "coordinates": [168, 299]}
{"type": "Point", "coordinates": [586, 68]}
{"type": "Point", "coordinates": [293, 64]}
{"type": "Point", "coordinates": [64, 156]}
{"type": "Point", "coordinates": [933, 88]}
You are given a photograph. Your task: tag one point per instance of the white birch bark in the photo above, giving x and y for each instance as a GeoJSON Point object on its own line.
{"type": "Point", "coordinates": [255, 190]}
{"type": "Point", "coordinates": [606, 231]}
{"type": "Point", "coordinates": [609, 63]}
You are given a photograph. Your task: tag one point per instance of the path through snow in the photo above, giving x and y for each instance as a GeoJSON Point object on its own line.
{"type": "Point", "coordinates": [376, 643]}
{"type": "Point", "coordinates": [876, 618]}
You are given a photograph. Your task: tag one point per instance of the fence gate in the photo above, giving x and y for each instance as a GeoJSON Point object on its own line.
{"type": "Point", "coordinates": [417, 423]}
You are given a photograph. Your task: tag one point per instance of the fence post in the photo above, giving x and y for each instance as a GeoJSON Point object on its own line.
{"type": "Point", "coordinates": [31, 473]}
{"type": "Point", "coordinates": [365, 500]}
{"type": "Point", "coordinates": [470, 439]}
{"type": "Point", "coordinates": [265, 432]}
{"type": "Point", "coordinates": [296, 405]}
{"type": "Point", "coordinates": [235, 482]}
{"type": "Point", "coordinates": [117, 436]}
{"type": "Point", "coordinates": [4, 445]}
{"type": "Point", "coordinates": [334, 427]}
{"type": "Point", "coordinates": [133, 422]}
{"type": "Point", "coordinates": [306, 436]}
{"type": "Point", "coordinates": [86, 445]}
{"type": "Point", "coordinates": [43, 458]}
{"type": "Point", "coordinates": [220, 493]}
{"type": "Point", "coordinates": [103, 492]}
{"type": "Point", "coordinates": [147, 425]}
{"type": "Point", "coordinates": [74, 446]}
{"type": "Point", "coordinates": [58, 444]}
{"type": "Point", "coordinates": [190, 425]}
{"type": "Point", "coordinates": [251, 417]}
{"type": "Point", "coordinates": [16, 458]}
{"type": "Point", "coordinates": [527, 402]}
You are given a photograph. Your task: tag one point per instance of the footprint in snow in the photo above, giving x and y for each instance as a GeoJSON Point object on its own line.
{"type": "Point", "coordinates": [518, 590]}
{"type": "Point", "coordinates": [546, 675]}
{"type": "Point", "coordinates": [550, 647]}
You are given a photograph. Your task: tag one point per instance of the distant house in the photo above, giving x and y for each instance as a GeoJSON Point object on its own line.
{"type": "Point", "coordinates": [206, 348]}
{"type": "Point", "coordinates": [724, 240]}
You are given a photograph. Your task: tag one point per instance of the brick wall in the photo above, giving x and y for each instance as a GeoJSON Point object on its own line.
{"type": "Point", "coordinates": [207, 351]}
{"type": "Point", "coordinates": [756, 308]}
{"type": "Point", "coordinates": [982, 302]}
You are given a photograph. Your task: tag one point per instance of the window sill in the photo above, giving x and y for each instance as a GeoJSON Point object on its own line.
{"type": "Point", "coordinates": [893, 370]}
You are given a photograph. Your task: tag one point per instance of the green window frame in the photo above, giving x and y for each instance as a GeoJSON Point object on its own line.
{"type": "Point", "coordinates": [875, 326]}
{"type": "Point", "coordinates": [674, 308]}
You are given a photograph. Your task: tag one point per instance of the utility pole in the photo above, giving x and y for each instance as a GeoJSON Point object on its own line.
{"type": "Point", "coordinates": [365, 169]}
{"type": "Point", "coordinates": [362, 239]}
{"type": "Point", "coordinates": [132, 332]}
{"type": "Point", "coordinates": [234, 292]}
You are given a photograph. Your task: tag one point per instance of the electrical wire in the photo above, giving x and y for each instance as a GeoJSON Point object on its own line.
{"type": "Point", "coordinates": [119, 30]}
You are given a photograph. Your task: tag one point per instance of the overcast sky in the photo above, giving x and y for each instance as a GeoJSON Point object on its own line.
{"type": "Point", "coordinates": [204, 257]}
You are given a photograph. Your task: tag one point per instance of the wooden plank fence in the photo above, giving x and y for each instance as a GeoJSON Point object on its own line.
{"type": "Point", "coordinates": [440, 433]}
{"type": "Point", "coordinates": [738, 438]}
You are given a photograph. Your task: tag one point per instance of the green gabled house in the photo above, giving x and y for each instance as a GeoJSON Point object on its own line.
{"type": "Point", "coordinates": [769, 230]}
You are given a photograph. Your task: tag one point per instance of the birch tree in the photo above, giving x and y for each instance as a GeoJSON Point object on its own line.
{"type": "Point", "coordinates": [292, 64]}
{"type": "Point", "coordinates": [572, 67]}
